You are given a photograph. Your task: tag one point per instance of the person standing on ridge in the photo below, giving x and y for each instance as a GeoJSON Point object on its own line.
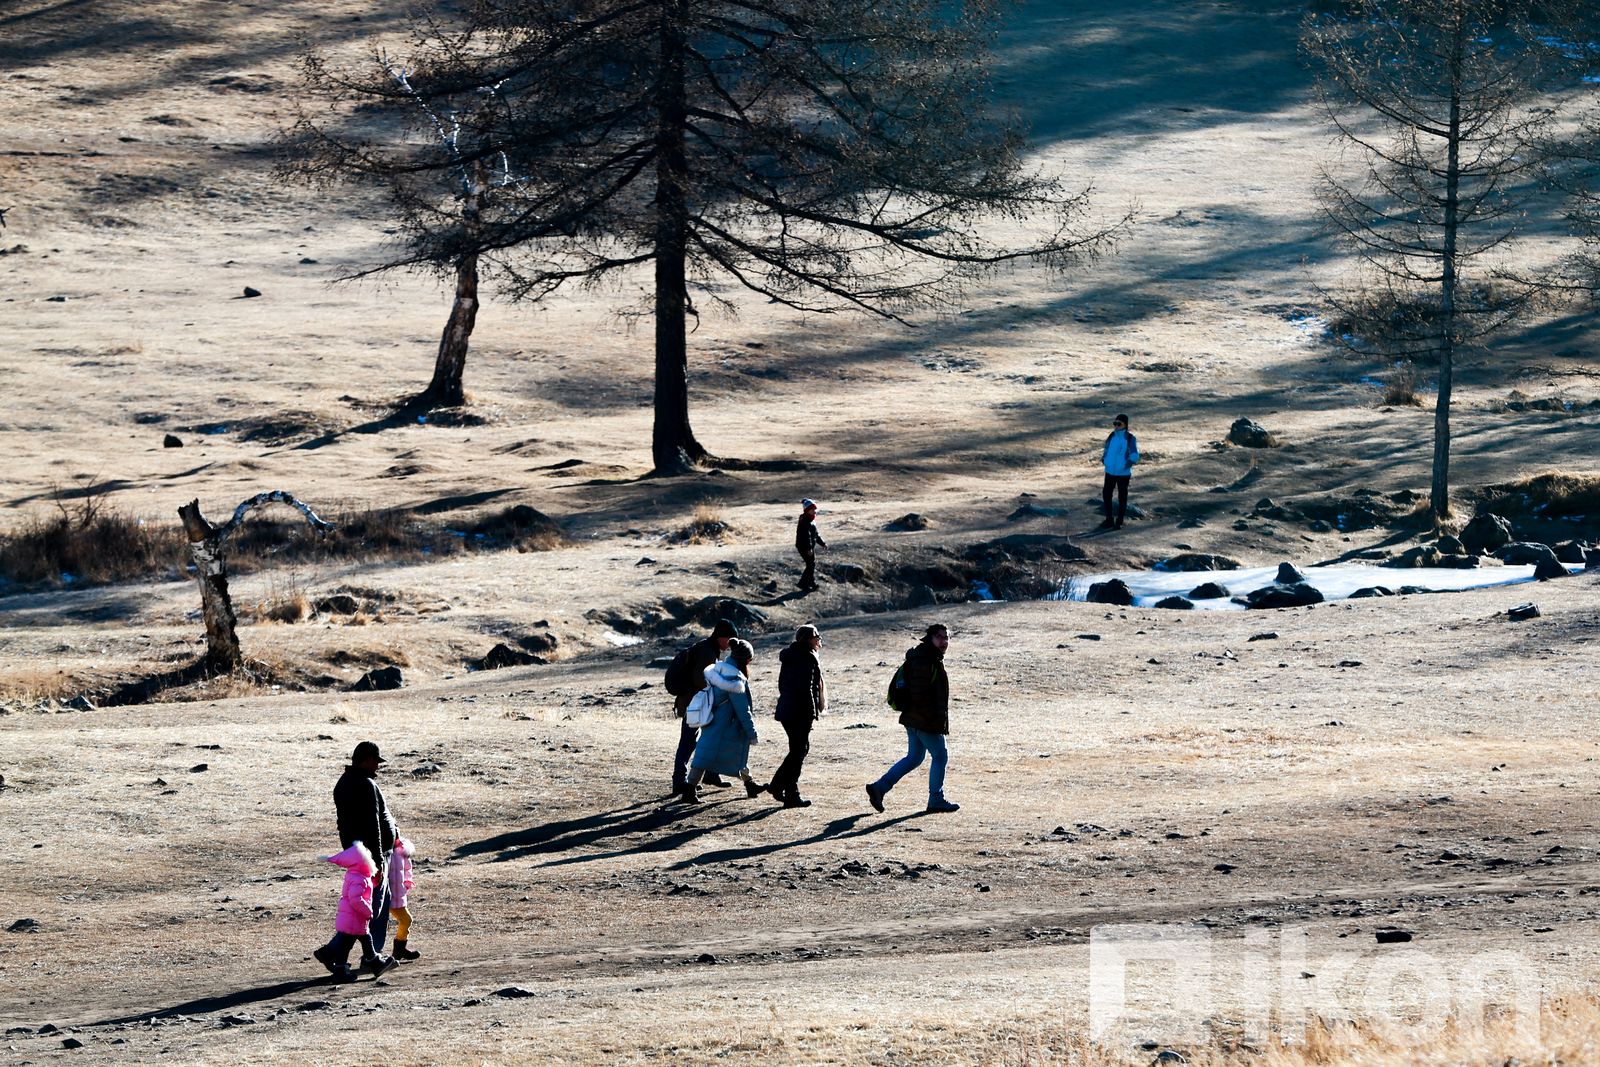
{"type": "Point", "coordinates": [1120, 453]}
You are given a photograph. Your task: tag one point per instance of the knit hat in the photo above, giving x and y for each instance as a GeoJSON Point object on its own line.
{"type": "Point", "coordinates": [806, 633]}
{"type": "Point", "coordinates": [807, 504]}
{"type": "Point", "coordinates": [724, 628]}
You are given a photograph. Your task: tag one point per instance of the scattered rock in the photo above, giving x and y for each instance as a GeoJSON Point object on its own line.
{"type": "Point", "coordinates": [1248, 433]}
{"type": "Point", "coordinates": [1270, 635]}
{"type": "Point", "coordinates": [1523, 612]}
{"type": "Point", "coordinates": [1366, 592]}
{"type": "Point", "coordinates": [1191, 523]}
{"type": "Point", "coordinates": [1289, 574]}
{"type": "Point", "coordinates": [539, 643]}
{"type": "Point", "coordinates": [1278, 595]}
{"type": "Point", "coordinates": [1462, 562]}
{"type": "Point", "coordinates": [705, 957]}
{"type": "Point", "coordinates": [1225, 868]}
{"type": "Point", "coordinates": [1421, 556]}
{"type": "Point", "coordinates": [1451, 546]}
{"type": "Point", "coordinates": [71, 1042]}
{"type": "Point", "coordinates": [378, 680]}
{"type": "Point", "coordinates": [503, 655]}
{"type": "Point", "coordinates": [1114, 591]}
{"type": "Point", "coordinates": [171, 441]}
{"type": "Point", "coordinates": [1393, 937]}
{"type": "Point", "coordinates": [81, 703]}
{"type": "Point", "coordinates": [426, 770]}
{"type": "Point", "coordinates": [24, 926]}
{"type": "Point", "coordinates": [1088, 637]}
{"type": "Point", "coordinates": [200, 768]}
{"type": "Point", "coordinates": [513, 992]}
{"type": "Point", "coordinates": [237, 1019]}
{"type": "Point", "coordinates": [849, 572]}
{"type": "Point", "coordinates": [1485, 533]}
{"type": "Point", "coordinates": [909, 523]}
{"type": "Point", "coordinates": [1209, 591]}
{"type": "Point", "coordinates": [1521, 553]}
{"type": "Point", "coordinates": [862, 726]}
{"type": "Point", "coordinates": [1034, 511]}
{"type": "Point", "coordinates": [1176, 603]}
{"type": "Point", "coordinates": [249, 292]}
{"type": "Point", "coordinates": [1197, 561]}
{"type": "Point", "coordinates": [1575, 552]}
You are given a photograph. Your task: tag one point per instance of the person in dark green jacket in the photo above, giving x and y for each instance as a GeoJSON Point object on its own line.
{"type": "Point", "coordinates": [922, 696]}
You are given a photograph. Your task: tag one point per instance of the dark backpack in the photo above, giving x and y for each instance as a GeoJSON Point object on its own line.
{"type": "Point", "coordinates": [897, 688]}
{"type": "Point", "coordinates": [681, 680]}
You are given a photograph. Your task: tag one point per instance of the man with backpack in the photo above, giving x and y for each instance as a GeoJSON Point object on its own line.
{"type": "Point", "coordinates": [920, 692]}
{"type": "Point", "coordinates": [685, 678]}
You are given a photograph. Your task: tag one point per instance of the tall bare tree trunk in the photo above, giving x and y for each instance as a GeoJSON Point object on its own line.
{"type": "Point", "coordinates": [673, 447]}
{"type": "Point", "coordinates": [216, 605]}
{"type": "Point", "coordinates": [446, 390]}
{"type": "Point", "coordinates": [1439, 490]}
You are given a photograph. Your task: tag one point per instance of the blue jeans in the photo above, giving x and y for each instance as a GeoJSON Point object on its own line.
{"type": "Point", "coordinates": [920, 743]}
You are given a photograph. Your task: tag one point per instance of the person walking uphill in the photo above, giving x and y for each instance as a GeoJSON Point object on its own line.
{"type": "Point", "coordinates": [1120, 453]}
{"type": "Point", "coordinates": [806, 540]}
{"type": "Point", "coordinates": [802, 698]}
{"type": "Point", "coordinates": [921, 693]}
{"type": "Point", "coordinates": [725, 741]}
{"type": "Point", "coordinates": [685, 678]}
{"type": "Point", "coordinates": [363, 816]}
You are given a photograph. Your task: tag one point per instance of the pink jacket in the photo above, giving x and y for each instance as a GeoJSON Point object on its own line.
{"type": "Point", "coordinates": [400, 872]}
{"type": "Point", "coordinates": [355, 900]}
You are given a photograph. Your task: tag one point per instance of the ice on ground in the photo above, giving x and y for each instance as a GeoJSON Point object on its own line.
{"type": "Point", "coordinates": [1335, 582]}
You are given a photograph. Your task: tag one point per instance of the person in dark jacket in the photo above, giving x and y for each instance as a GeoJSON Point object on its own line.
{"type": "Point", "coordinates": [701, 655]}
{"type": "Point", "coordinates": [362, 815]}
{"type": "Point", "coordinates": [802, 698]}
{"type": "Point", "coordinates": [922, 696]}
{"type": "Point", "coordinates": [806, 540]}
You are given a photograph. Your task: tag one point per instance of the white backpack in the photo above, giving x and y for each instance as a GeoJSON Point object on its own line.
{"type": "Point", "coordinates": [698, 713]}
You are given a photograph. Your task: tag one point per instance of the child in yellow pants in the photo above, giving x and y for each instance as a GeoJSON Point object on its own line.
{"type": "Point", "coordinates": [399, 887]}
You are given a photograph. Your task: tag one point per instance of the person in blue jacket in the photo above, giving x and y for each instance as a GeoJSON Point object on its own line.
{"type": "Point", "coordinates": [724, 745]}
{"type": "Point", "coordinates": [1121, 452]}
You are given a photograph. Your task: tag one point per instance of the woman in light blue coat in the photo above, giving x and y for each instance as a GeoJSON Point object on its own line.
{"type": "Point", "coordinates": [724, 746]}
{"type": "Point", "coordinates": [1121, 452]}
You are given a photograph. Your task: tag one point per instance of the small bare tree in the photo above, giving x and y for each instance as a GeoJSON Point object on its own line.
{"type": "Point", "coordinates": [207, 544]}
{"type": "Point", "coordinates": [1442, 101]}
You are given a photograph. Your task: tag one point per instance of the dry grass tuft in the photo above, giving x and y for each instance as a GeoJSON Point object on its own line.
{"type": "Point", "coordinates": [34, 686]}
{"type": "Point", "coordinates": [285, 602]}
{"type": "Point", "coordinates": [706, 527]}
{"type": "Point", "coordinates": [1400, 388]}
{"type": "Point", "coordinates": [1547, 495]}
{"type": "Point", "coordinates": [88, 543]}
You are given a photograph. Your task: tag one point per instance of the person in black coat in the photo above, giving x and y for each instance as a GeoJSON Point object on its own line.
{"type": "Point", "coordinates": [362, 815]}
{"type": "Point", "coordinates": [802, 698]}
{"type": "Point", "coordinates": [921, 694]}
{"type": "Point", "coordinates": [806, 540]}
{"type": "Point", "coordinates": [698, 657]}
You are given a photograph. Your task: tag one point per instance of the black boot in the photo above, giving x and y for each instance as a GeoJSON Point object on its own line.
{"type": "Point", "coordinates": [753, 789]}
{"type": "Point", "coordinates": [401, 952]}
{"type": "Point", "coordinates": [689, 795]}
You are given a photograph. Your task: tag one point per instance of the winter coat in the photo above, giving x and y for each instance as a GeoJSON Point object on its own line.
{"type": "Point", "coordinates": [725, 741]}
{"type": "Point", "coordinates": [806, 538]}
{"type": "Point", "coordinates": [400, 872]}
{"type": "Point", "coordinates": [362, 814]}
{"type": "Point", "coordinates": [799, 684]}
{"type": "Point", "coordinates": [702, 654]}
{"type": "Point", "coordinates": [355, 900]}
{"type": "Point", "coordinates": [925, 701]}
{"type": "Point", "coordinates": [1120, 454]}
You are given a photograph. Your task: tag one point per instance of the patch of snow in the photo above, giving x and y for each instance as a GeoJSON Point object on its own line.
{"type": "Point", "coordinates": [623, 640]}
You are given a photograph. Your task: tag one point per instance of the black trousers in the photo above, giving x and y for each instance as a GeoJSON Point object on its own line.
{"type": "Point", "coordinates": [787, 778]}
{"type": "Point", "coordinates": [687, 737]}
{"type": "Point", "coordinates": [808, 580]}
{"type": "Point", "coordinates": [1118, 482]}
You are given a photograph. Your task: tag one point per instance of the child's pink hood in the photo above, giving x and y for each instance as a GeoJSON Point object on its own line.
{"type": "Point", "coordinates": [355, 858]}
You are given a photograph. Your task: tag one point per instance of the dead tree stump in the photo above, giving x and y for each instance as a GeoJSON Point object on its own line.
{"type": "Point", "coordinates": [207, 544]}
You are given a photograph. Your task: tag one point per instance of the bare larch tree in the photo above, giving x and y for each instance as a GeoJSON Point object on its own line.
{"type": "Point", "coordinates": [824, 154]}
{"type": "Point", "coordinates": [1442, 102]}
{"type": "Point", "coordinates": [207, 545]}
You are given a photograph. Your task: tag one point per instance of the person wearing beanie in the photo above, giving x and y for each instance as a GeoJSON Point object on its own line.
{"type": "Point", "coordinates": [802, 698]}
{"type": "Point", "coordinates": [724, 744]}
{"type": "Point", "coordinates": [1120, 453]}
{"type": "Point", "coordinates": [685, 678]}
{"type": "Point", "coordinates": [921, 693]}
{"type": "Point", "coordinates": [806, 540]}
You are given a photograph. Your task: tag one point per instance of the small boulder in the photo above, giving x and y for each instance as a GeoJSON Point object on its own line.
{"type": "Point", "coordinates": [1393, 937]}
{"type": "Point", "coordinates": [1485, 533]}
{"type": "Point", "coordinates": [1176, 603]}
{"type": "Point", "coordinates": [1451, 546]}
{"type": "Point", "coordinates": [852, 573]}
{"type": "Point", "coordinates": [338, 604]}
{"type": "Point", "coordinates": [250, 292]}
{"type": "Point", "coordinates": [539, 643]}
{"type": "Point", "coordinates": [1421, 556]}
{"type": "Point", "coordinates": [1113, 591]}
{"type": "Point", "coordinates": [1591, 558]}
{"type": "Point", "coordinates": [1289, 574]}
{"type": "Point", "coordinates": [23, 926]}
{"type": "Point", "coordinates": [1522, 553]}
{"type": "Point", "coordinates": [909, 523]}
{"type": "Point", "coordinates": [1034, 511]}
{"type": "Point", "coordinates": [1197, 561]}
{"type": "Point", "coordinates": [378, 680]}
{"type": "Point", "coordinates": [503, 655]}
{"type": "Point", "coordinates": [1209, 591]}
{"type": "Point", "coordinates": [921, 596]}
{"type": "Point", "coordinates": [1191, 523]}
{"type": "Point", "coordinates": [1523, 612]}
{"type": "Point", "coordinates": [172, 441]}
{"type": "Point", "coordinates": [1460, 562]}
{"type": "Point", "coordinates": [1247, 433]}
{"type": "Point", "coordinates": [513, 992]}
{"type": "Point", "coordinates": [1547, 569]}
{"type": "Point", "coordinates": [1278, 595]}
{"type": "Point", "coordinates": [1571, 552]}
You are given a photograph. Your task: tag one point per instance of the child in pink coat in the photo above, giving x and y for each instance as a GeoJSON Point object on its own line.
{"type": "Point", "coordinates": [354, 918]}
{"type": "Point", "coordinates": [400, 884]}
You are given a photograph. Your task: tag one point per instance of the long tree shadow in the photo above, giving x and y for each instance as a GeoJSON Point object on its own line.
{"type": "Point", "coordinates": [644, 817]}
{"type": "Point", "coordinates": [838, 830]}
{"type": "Point", "coordinates": [220, 1002]}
